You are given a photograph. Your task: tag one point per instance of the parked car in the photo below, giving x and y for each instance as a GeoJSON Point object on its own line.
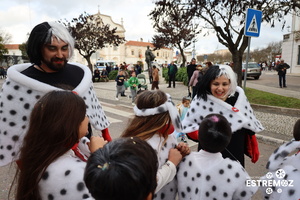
{"type": "Point", "coordinates": [253, 70]}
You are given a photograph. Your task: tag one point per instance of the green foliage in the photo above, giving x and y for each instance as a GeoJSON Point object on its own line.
{"type": "Point", "coordinates": [113, 74]}
{"type": "Point", "coordinates": [3, 50]}
{"type": "Point", "coordinates": [269, 99]}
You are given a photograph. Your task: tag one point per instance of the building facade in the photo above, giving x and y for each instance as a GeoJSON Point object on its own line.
{"type": "Point", "coordinates": [291, 46]}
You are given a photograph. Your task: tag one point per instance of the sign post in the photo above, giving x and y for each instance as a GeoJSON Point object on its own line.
{"type": "Point", "coordinates": [252, 29]}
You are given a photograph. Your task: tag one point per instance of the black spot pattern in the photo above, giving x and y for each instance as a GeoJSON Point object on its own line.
{"type": "Point", "coordinates": [197, 180]}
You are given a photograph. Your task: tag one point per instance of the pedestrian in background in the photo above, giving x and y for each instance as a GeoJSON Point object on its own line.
{"type": "Point", "coordinates": [133, 83]}
{"type": "Point", "coordinates": [281, 69]}
{"type": "Point", "coordinates": [172, 70]}
{"type": "Point", "coordinates": [190, 70]}
{"type": "Point", "coordinates": [155, 75]}
{"type": "Point", "coordinates": [120, 79]}
{"type": "Point", "coordinates": [194, 79]}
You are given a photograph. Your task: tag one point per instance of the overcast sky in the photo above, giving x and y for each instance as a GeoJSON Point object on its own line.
{"type": "Point", "coordinates": [18, 17]}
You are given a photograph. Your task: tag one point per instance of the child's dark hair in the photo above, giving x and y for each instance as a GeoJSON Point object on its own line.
{"type": "Point", "coordinates": [214, 133]}
{"type": "Point", "coordinates": [53, 130]}
{"type": "Point", "coordinates": [123, 169]}
{"type": "Point", "coordinates": [296, 132]}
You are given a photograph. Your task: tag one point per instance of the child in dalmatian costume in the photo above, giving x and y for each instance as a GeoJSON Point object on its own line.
{"type": "Point", "coordinates": [49, 47]}
{"type": "Point", "coordinates": [52, 165]}
{"type": "Point", "coordinates": [284, 169]}
{"type": "Point", "coordinates": [206, 175]}
{"type": "Point", "coordinates": [155, 114]}
{"type": "Point", "coordinates": [218, 93]}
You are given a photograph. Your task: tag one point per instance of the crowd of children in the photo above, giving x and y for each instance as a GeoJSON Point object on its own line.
{"type": "Point", "coordinates": [146, 162]}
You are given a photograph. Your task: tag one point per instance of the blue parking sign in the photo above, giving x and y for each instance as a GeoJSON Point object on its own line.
{"type": "Point", "coordinates": [253, 22]}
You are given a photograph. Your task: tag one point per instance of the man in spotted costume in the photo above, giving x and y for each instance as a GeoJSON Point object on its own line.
{"type": "Point", "coordinates": [49, 48]}
{"type": "Point", "coordinates": [206, 174]}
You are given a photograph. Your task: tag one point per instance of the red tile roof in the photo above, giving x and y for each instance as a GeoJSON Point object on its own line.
{"type": "Point", "coordinates": [12, 46]}
{"type": "Point", "coordinates": [139, 43]}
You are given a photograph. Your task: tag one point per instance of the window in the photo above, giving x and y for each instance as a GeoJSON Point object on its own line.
{"type": "Point", "coordinates": [132, 52]}
{"type": "Point", "coordinates": [115, 48]}
{"type": "Point", "coordinates": [157, 54]}
{"type": "Point", "coordinates": [298, 60]}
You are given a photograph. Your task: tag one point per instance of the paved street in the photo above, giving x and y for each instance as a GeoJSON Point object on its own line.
{"type": "Point", "coordinates": [119, 112]}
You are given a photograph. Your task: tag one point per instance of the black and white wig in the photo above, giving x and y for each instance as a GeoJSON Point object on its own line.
{"type": "Point", "coordinates": [44, 33]}
{"type": "Point", "coordinates": [211, 74]}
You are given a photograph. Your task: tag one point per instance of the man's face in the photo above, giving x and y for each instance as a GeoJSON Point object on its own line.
{"type": "Point", "coordinates": [55, 55]}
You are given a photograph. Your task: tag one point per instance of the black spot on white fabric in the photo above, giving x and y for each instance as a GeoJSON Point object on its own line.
{"type": "Point", "coordinates": [291, 192]}
{"type": "Point", "coordinates": [10, 97]}
{"type": "Point", "coordinates": [67, 172]}
{"type": "Point", "coordinates": [50, 197]}
{"type": "Point", "coordinates": [63, 192]}
{"type": "Point", "coordinates": [45, 175]}
{"type": "Point", "coordinates": [85, 196]}
{"type": "Point", "coordinates": [13, 112]}
{"type": "Point", "coordinates": [15, 138]}
{"type": "Point", "coordinates": [80, 186]}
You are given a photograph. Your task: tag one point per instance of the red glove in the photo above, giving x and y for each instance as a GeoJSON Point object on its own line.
{"type": "Point", "coordinates": [255, 150]}
{"type": "Point", "coordinates": [106, 135]}
{"type": "Point", "coordinates": [193, 136]}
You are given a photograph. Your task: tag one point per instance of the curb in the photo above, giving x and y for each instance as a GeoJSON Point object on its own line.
{"type": "Point", "coordinates": [277, 110]}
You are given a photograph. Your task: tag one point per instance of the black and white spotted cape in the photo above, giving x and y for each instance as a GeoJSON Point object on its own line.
{"type": "Point", "coordinates": [288, 165]}
{"type": "Point", "coordinates": [63, 179]}
{"type": "Point", "coordinates": [19, 94]}
{"type": "Point", "coordinates": [239, 116]}
{"type": "Point", "coordinates": [208, 176]}
{"type": "Point", "coordinates": [168, 192]}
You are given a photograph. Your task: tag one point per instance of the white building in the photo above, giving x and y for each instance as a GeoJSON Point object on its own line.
{"type": "Point", "coordinates": [291, 46]}
{"type": "Point", "coordinates": [130, 51]}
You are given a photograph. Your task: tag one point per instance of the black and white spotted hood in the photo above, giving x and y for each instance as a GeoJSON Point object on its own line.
{"type": "Point", "coordinates": [19, 94]}
{"type": "Point", "coordinates": [239, 116]}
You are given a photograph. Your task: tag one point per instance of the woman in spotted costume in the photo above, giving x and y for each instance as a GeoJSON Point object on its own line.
{"type": "Point", "coordinates": [49, 47]}
{"type": "Point", "coordinates": [218, 93]}
{"type": "Point", "coordinates": [155, 116]}
{"type": "Point", "coordinates": [206, 175]}
{"type": "Point", "coordinates": [52, 158]}
{"type": "Point", "coordinates": [284, 167]}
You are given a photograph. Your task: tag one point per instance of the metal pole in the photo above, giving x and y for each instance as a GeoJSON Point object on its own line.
{"type": "Point", "coordinates": [247, 58]}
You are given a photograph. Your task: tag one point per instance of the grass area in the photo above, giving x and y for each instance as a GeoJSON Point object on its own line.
{"type": "Point", "coordinates": [266, 98]}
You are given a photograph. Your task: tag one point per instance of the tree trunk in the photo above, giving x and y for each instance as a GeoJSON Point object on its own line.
{"type": "Point", "coordinates": [237, 58]}
{"type": "Point", "coordinates": [183, 57]}
{"type": "Point", "coordinates": [88, 59]}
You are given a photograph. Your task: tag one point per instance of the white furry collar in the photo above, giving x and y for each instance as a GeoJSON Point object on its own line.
{"type": "Point", "coordinates": [239, 116]}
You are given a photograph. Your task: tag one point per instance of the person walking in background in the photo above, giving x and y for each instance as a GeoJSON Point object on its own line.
{"type": "Point", "coordinates": [49, 47]}
{"type": "Point", "coordinates": [155, 75]}
{"type": "Point", "coordinates": [132, 175]}
{"type": "Point", "coordinates": [133, 83]}
{"type": "Point", "coordinates": [120, 79]}
{"type": "Point", "coordinates": [55, 149]}
{"type": "Point", "coordinates": [172, 70]}
{"type": "Point", "coordinates": [190, 70]}
{"type": "Point", "coordinates": [219, 93]}
{"type": "Point", "coordinates": [206, 172]}
{"type": "Point", "coordinates": [281, 69]}
{"type": "Point", "coordinates": [194, 79]}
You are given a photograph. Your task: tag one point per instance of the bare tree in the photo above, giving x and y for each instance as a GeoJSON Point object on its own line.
{"type": "Point", "coordinates": [90, 34]}
{"type": "Point", "coordinates": [226, 19]}
{"type": "Point", "coordinates": [174, 26]}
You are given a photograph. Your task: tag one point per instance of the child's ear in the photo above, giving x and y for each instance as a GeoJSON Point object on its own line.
{"type": "Point", "coordinates": [149, 197]}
